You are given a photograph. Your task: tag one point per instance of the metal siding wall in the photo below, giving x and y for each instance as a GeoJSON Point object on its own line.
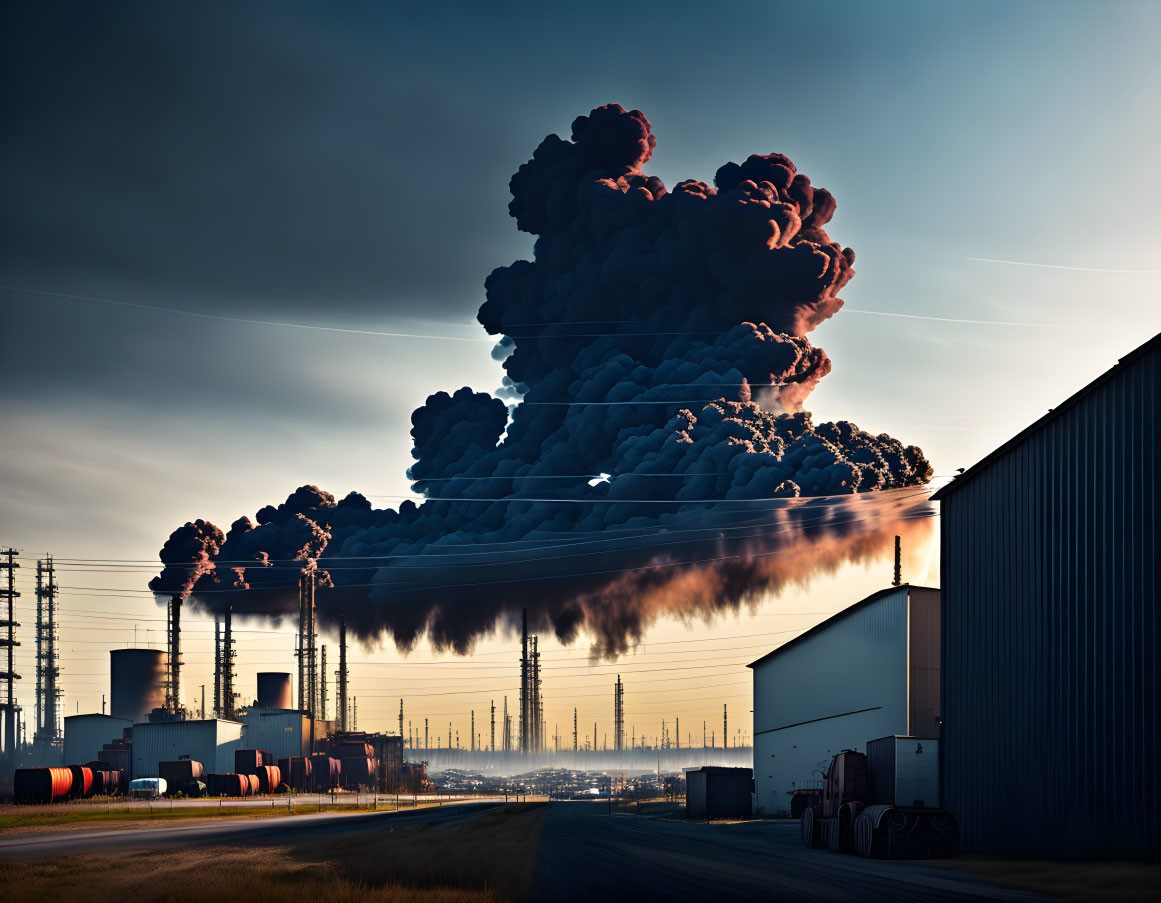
{"type": "Point", "coordinates": [923, 688]}
{"type": "Point", "coordinates": [859, 662]}
{"type": "Point", "coordinates": [1049, 569]}
{"type": "Point", "coordinates": [166, 741]}
{"type": "Point", "coordinates": [228, 738]}
{"type": "Point", "coordinates": [84, 735]}
{"type": "Point", "coordinates": [268, 730]}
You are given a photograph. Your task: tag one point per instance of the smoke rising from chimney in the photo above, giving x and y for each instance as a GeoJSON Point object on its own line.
{"type": "Point", "coordinates": [656, 336]}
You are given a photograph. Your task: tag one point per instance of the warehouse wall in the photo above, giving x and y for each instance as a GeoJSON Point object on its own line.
{"type": "Point", "coordinates": [1049, 569]}
{"type": "Point", "coordinates": [849, 681]}
{"type": "Point", "coordinates": [84, 735]}
{"type": "Point", "coordinates": [210, 742]}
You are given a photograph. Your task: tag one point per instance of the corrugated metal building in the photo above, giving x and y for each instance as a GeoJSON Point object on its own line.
{"type": "Point", "coordinates": [1049, 569]}
{"type": "Point", "coordinates": [284, 732]}
{"type": "Point", "coordinates": [84, 735]}
{"type": "Point", "coordinates": [870, 671]}
{"type": "Point", "coordinates": [211, 742]}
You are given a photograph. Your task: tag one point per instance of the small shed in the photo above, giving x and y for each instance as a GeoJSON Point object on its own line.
{"type": "Point", "coordinates": [714, 791]}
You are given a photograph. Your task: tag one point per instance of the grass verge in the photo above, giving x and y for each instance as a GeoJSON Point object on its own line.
{"type": "Point", "coordinates": [475, 860]}
{"type": "Point", "coordinates": [55, 818]}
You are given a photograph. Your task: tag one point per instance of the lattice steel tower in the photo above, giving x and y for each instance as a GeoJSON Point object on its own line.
{"type": "Point", "coordinates": [9, 706]}
{"type": "Point", "coordinates": [48, 693]}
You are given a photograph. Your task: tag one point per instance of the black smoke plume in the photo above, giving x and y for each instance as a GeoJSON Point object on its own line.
{"type": "Point", "coordinates": [656, 459]}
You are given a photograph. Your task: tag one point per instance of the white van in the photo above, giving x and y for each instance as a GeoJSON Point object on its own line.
{"type": "Point", "coordinates": [147, 788]}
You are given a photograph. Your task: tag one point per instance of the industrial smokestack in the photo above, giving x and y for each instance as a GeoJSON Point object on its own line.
{"type": "Point", "coordinates": [898, 563]}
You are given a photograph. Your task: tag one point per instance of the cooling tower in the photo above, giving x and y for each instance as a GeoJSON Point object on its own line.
{"type": "Point", "coordinates": [137, 683]}
{"type": "Point", "coordinates": [274, 690]}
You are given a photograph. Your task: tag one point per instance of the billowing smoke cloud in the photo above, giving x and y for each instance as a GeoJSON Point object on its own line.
{"type": "Point", "coordinates": [655, 459]}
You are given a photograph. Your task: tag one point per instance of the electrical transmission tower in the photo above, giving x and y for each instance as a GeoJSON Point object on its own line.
{"type": "Point", "coordinates": [341, 674]}
{"type": "Point", "coordinates": [307, 650]}
{"type": "Point", "coordinates": [9, 707]}
{"type": "Point", "coordinates": [228, 654]}
{"type": "Point", "coordinates": [618, 714]}
{"type": "Point", "coordinates": [48, 693]}
{"type": "Point", "coordinates": [173, 663]}
{"type": "Point", "coordinates": [322, 683]}
{"type": "Point", "coordinates": [217, 666]}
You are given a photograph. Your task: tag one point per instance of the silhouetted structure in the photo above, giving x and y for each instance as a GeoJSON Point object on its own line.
{"type": "Point", "coordinates": [1049, 570]}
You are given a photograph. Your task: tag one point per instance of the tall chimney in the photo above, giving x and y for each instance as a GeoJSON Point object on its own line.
{"type": "Point", "coordinates": [898, 563]}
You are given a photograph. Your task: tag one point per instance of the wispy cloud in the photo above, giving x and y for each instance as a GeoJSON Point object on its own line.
{"type": "Point", "coordinates": [1054, 266]}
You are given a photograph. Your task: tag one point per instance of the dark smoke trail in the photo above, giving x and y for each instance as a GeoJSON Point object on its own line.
{"type": "Point", "coordinates": [709, 504]}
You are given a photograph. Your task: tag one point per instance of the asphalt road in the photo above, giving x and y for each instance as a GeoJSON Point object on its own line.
{"type": "Point", "coordinates": [234, 830]}
{"type": "Point", "coordinates": [586, 854]}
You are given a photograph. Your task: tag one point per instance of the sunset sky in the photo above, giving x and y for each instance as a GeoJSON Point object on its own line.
{"type": "Point", "coordinates": [994, 166]}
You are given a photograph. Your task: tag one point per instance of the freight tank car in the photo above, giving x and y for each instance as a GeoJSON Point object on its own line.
{"type": "Point", "coordinates": [884, 804]}
{"type": "Point", "coordinates": [41, 785]}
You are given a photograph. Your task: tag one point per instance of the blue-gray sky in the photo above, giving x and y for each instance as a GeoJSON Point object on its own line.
{"type": "Point", "coordinates": [347, 165]}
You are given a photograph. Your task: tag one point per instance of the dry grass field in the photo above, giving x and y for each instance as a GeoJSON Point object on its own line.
{"type": "Point", "coordinates": [488, 858]}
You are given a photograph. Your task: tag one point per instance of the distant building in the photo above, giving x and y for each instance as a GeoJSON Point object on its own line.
{"type": "Point", "coordinates": [870, 671]}
{"type": "Point", "coordinates": [1049, 555]}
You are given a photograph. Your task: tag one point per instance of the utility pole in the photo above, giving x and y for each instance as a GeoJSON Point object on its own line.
{"type": "Point", "coordinates": [725, 728]}
{"type": "Point", "coordinates": [10, 707]}
{"type": "Point", "coordinates": [703, 735]}
{"type": "Point", "coordinates": [677, 731]}
{"type": "Point", "coordinates": [507, 732]}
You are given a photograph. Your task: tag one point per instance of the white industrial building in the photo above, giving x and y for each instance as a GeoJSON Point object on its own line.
{"type": "Point", "coordinates": [870, 671]}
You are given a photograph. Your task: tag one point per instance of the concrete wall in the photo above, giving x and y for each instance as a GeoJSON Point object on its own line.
{"type": "Point", "coordinates": [829, 691]}
{"type": "Point", "coordinates": [84, 735]}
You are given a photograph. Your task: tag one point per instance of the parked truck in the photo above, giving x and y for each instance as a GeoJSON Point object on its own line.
{"type": "Point", "coordinates": [883, 804]}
